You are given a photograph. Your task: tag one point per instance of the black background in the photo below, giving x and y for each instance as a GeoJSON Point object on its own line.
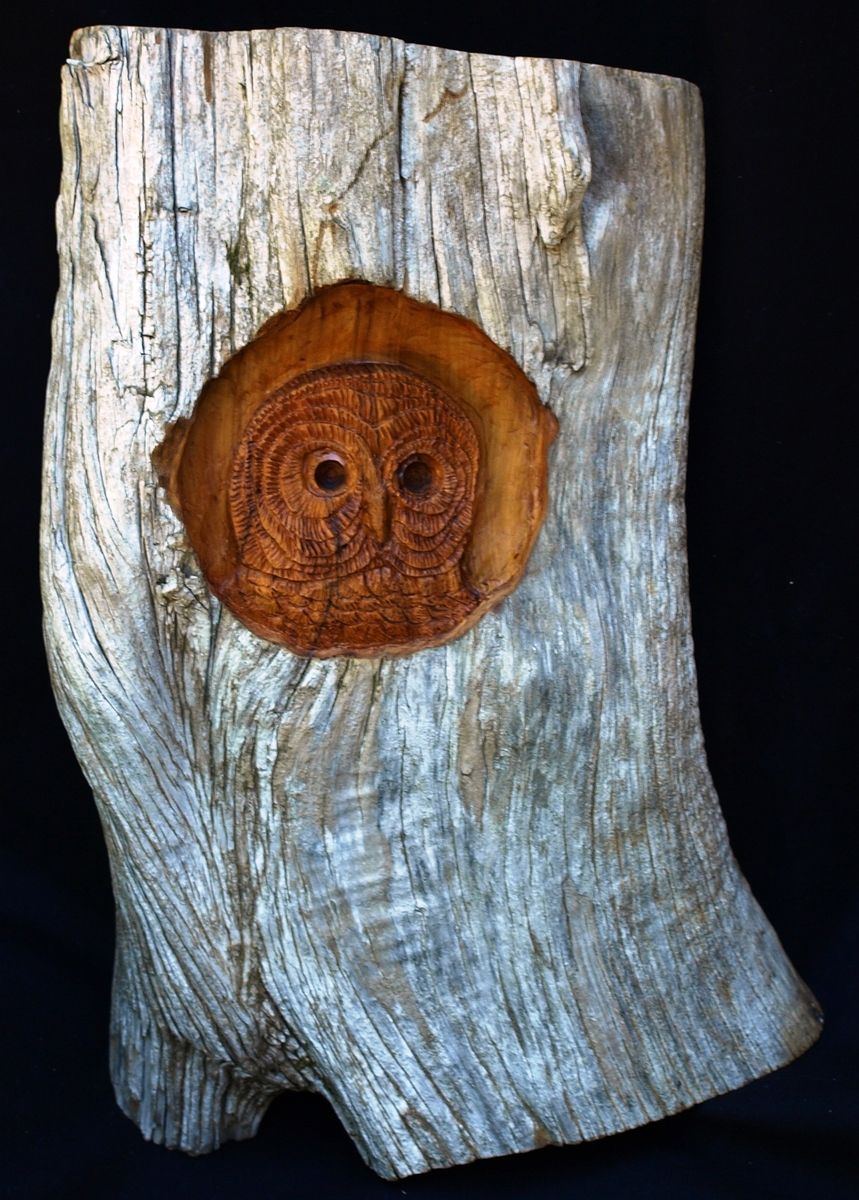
{"type": "Point", "coordinates": [769, 549]}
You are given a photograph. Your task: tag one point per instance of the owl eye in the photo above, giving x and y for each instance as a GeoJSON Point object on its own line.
{"type": "Point", "coordinates": [417, 475]}
{"type": "Point", "coordinates": [325, 473]}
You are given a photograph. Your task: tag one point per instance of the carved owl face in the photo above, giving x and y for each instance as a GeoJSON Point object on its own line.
{"type": "Point", "coordinates": [351, 501]}
{"type": "Point", "coordinates": [364, 477]}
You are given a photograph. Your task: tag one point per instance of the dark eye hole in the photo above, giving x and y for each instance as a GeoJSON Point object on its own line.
{"type": "Point", "coordinates": [330, 474]}
{"type": "Point", "coordinates": [416, 475]}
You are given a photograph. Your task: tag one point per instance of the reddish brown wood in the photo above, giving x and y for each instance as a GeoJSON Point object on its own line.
{"type": "Point", "coordinates": [366, 477]}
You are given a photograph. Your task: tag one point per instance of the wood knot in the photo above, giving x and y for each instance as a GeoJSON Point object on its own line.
{"type": "Point", "coordinates": [366, 477]}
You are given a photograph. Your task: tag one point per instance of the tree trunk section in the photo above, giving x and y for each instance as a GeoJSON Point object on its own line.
{"type": "Point", "coordinates": [479, 896]}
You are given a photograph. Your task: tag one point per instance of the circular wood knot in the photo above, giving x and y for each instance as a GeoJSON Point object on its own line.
{"type": "Point", "coordinates": [358, 504]}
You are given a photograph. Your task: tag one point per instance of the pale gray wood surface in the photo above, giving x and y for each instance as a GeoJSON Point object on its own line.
{"type": "Point", "coordinates": [480, 897]}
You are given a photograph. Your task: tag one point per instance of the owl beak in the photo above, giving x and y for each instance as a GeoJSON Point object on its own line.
{"type": "Point", "coordinates": [379, 515]}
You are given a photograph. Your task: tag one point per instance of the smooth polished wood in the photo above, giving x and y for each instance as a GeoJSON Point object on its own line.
{"type": "Point", "coordinates": [378, 559]}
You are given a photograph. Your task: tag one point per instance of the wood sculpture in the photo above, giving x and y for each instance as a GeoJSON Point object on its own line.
{"type": "Point", "coordinates": [339, 499]}
{"type": "Point", "coordinates": [467, 879]}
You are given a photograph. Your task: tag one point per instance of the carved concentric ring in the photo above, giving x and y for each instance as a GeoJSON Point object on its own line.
{"type": "Point", "coordinates": [365, 477]}
{"type": "Point", "coordinates": [364, 430]}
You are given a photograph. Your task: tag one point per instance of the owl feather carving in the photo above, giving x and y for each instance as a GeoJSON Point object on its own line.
{"type": "Point", "coordinates": [351, 500]}
{"type": "Point", "coordinates": [372, 501]}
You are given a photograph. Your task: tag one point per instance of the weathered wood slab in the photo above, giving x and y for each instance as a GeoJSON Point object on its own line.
{"type": "Point", "coordinates": [481, 897]}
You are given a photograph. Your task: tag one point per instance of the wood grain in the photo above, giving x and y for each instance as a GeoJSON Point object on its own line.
{"type": "Point", "coordinates": [364, 563]}
{"type": "Point", "coordinates": [481, 896]}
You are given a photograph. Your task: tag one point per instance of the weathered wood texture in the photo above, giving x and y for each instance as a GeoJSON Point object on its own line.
{"type": "Point", "coordinates": [481, 897]}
